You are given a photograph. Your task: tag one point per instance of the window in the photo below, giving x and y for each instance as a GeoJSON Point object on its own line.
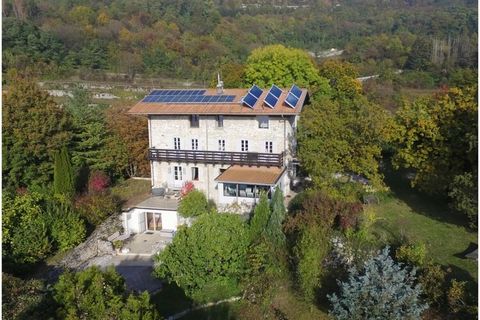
{"type": "Point", "coordinates": [246, 191]}
{"type": "Point", "coordinates": [194, 121]}
{"type": "Point", "coordinates": [221, 145]}
{"type": "Point", "coordinates": [177, 173]}
{"type": "Point", "coordinates": [194, 144]}
{"type": "Point", "coordinates": [194, 173]}
{"type": "Point", "coordinates": [244, 145]}
{"type": "Point", "coordinates": [263, 122]}
{"type": "Point", "coordinates": [220, 121]}
{"type": "Point", "coordinates": [176, 143]}
{"type": "Point", "coordinates": [268, 146]}
{"type": "Point", "coordinates": [229, 190]}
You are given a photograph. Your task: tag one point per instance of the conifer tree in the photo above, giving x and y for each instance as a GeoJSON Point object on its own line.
{"type": "Point", "coordinates": [63, 179]}
{"type": "Point", "coordinates": [261, 215]}
{"type": "Point", "coordinates": [384, 289]}
{"type": "Point", "coordinates": [277, 215]}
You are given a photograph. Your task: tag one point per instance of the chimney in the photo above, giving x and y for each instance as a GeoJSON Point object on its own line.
{"type": "Point", "coordinates": [219, 84]}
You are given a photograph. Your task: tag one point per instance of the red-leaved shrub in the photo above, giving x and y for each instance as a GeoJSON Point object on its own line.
{"type": "Point", "coordinates": [187, 187]}
{"type": "Point", "coordinates": [98, 182]}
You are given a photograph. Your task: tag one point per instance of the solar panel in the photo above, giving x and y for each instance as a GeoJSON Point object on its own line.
{"type": "Point", "coordinates": [250, 100]}
{"type": "Point", "coordinates": [296, 91]}
{"type": "Point", "coordinates": [185, 96]}
{"type": "Point", "coordinates": [276, 91]}
{"type": "Point", "coordinates": [291, 100]}
{"type": "Point", "coordinates": [271, 100]}
{"type": "Point", "coordinates": [255, 91]}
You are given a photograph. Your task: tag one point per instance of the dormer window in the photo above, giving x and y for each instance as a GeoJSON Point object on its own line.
{"type": "Point", "coordinates": [194, 121]}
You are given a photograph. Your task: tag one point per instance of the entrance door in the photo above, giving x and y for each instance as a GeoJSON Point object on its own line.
{"type": "Point", "coordinates": [153, 221]}
{"type": "Point", "coordinates": [177, 177]}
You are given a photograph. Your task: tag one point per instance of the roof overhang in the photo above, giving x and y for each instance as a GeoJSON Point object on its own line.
{"type": "Point", "coordinates": [261, 175]}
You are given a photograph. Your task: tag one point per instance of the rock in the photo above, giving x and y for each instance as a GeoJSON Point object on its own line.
{"type": "Point", "coordinates": [95, 246]}
{"type": "Point", "coordinates": [104, 247]}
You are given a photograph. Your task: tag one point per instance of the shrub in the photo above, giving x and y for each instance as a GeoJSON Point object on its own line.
{"type": "Point", "coordinates": [24, 299]}
{"type": "Point", "coordinates": [98, 182]}
{"type": "Point", "coordinates": [310, 251]}
{"type": "Point", "coordinates": [186, 188]}
{"type": "Point", "coordinates": [95, 208]}
{"type": "Point", "coordinates": [30, 242]}
{"type": "Point", "coordinates": [67, 229]}
{"type": "Point", "coordinates": [413, 254]}
{"type": "Point", "coordinates": [96, 294]}
{"type": "Point", "coordinates": [383, 289]}
{"type": "Point", "coordinates": [457, 296]}
{"type": "Point", "coordinates": [193, 204]}
{"type": "Point", "coordinates": [207, 259]}
{"type": "Point", "coordinates": [433, 283]}
{"type": "Point", "coordinates": [464, 195]}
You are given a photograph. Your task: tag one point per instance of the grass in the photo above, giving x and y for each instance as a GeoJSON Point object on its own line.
{"type": "Point", "coordinates": [409, 214]}
{"type": "Point", "coordinates": [172, 300]}
{"type": "Point", "coordinates": [132, 191]}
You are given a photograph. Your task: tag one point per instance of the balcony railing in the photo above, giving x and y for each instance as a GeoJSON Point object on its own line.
{"type": "Point", "coordinates": [217, 157]}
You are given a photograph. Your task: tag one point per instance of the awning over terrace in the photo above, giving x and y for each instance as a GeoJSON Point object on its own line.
{"type": "Point", "coordinates": [251, 175]}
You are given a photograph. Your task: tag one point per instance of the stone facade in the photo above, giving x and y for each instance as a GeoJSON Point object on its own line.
{"type": "Point", "coordinates": [175, 131]}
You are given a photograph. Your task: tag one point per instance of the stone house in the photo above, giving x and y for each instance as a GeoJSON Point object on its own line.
{"type": "Point", "coordinates": [230, 143]}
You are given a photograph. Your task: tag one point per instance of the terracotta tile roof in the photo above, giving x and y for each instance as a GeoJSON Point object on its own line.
{"type": "Point", "coordinates": [233, 108]}
{"type": "Point", "coordinates": [251, 175]}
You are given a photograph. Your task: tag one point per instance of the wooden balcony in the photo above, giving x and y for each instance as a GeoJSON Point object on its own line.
{"type": "Point", "coordinates": [217, 157]}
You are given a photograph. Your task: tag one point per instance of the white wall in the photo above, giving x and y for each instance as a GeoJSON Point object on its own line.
{"type": "Point", "coordinates": [136, 223]}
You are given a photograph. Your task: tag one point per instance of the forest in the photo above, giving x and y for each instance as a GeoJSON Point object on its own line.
{"type": "Point", "coordinates": [410, 130]}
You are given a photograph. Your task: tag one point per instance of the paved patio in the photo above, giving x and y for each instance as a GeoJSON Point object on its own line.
{"type": "Point", "coordinates": [137, 272]}
{"type": "Point", "coordinates": [147, 243]}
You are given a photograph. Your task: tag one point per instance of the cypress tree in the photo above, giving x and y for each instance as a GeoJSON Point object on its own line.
{"type": "Point", "coordinates": [259, 221]}
{"type": "Point", "coordinates": [277, 215]}
{"type": "Point", "coordinates": [63, 181]}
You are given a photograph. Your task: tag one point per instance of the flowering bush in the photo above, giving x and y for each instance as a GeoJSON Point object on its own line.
{"type": "Point", "coordinates": [187, 187]}
{"type": "Point", "coordinates": [98, 182]}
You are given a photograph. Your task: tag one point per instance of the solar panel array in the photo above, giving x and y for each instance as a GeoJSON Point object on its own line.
{"type": "Point", "coordinates": [272, 97]}
{"type": "Point", "coordinates": [293, 96]}
{"type": "Point", "coordinates": [252, 96]}
{"type": "Point", "coordinates": [186, 96]}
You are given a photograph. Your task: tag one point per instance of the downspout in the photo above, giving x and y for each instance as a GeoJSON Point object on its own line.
{"type": "Point", "coordinates": [206, 165]}
{"type": "Point", "coordinates": [152, 174]}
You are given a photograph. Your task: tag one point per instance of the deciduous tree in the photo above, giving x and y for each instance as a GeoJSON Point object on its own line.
{"type": "Point", "coordinates": [33, 128]}
{"type": "Point", "coordinates": [437, 137]}
{"type": "Point", "coordinates": [207, 259]}
{"type": "Point", "coordinates": [96, 294]}
{"type": "Point", "coordinates": [282, 66]}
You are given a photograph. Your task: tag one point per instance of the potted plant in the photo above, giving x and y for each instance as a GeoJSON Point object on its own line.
{"type": "Point", "coordinates": [118, 244]}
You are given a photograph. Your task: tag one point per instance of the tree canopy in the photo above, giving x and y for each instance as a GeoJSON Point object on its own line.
{"type": "Point", "coordinates": [276, 64]}
{"type": "Point", "coordinates": [437, 138]}
{"type": "Point", "coordinates": [207, 259]}
{"type": "Point", "coordinates": [341, 138]}
{"type": "Point", "coordinates": [96, 294]}
{"type": "Point", "coordinates": [383, 289]}
{"type": "Point", "coordinates": [33, 128]}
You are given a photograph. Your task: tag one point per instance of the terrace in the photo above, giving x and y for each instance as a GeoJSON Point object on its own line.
{"type": "Point", "coordinates": [217, 157]}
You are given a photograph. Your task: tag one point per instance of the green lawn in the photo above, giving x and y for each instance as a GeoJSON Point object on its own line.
{"type": "Point", "coordinates": [172, 300]}
{"type": "Point", "coordinates": [409, 214]}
